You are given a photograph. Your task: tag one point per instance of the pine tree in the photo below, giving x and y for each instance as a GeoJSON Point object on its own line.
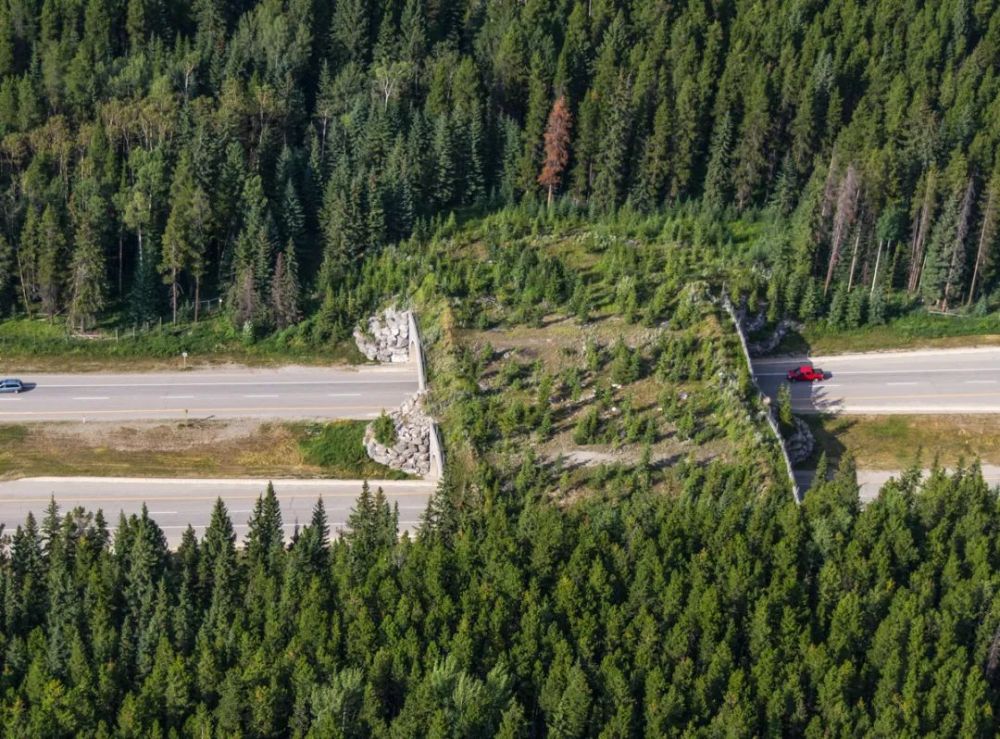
{"type": "Point", "coordinates": [445, 167]}
{"type": "Point", "coordinates": [51, 253]}
{"type": "Point", "coordinates": [557, 137]}
{"type": "Point", "coordinates": [611, 171]}
{"type": "Point", "coordinates": [265, 538]}
{"type": "Point", "coordinates": [285, 289]}
{"type": "Point", "coordinates": [534, 126]}
{"type": "Point", "coordinates": [718, 175]}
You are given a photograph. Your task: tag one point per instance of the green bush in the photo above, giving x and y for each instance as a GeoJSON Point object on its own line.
{"type": "Point", "coordinates": [339, 449]}
{"type": "Point", "coordinates": [587, 427]}
{"type": "Point", "coordinates": [385, 430]}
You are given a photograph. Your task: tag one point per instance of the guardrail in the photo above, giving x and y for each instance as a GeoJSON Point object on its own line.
{"type": "Point", "coordinates": [435, 447]}
{"type": "Point", "coordinates": [771, 421]}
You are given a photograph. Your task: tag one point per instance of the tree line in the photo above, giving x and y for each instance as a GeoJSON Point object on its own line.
{"type": "Point", "coordinates": [724, 608]}
{"type": "Point", "coordinates": [156, 154]}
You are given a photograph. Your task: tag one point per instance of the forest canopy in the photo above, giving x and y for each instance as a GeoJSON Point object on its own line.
{"type": "Point", "coordinates": [160, 154]}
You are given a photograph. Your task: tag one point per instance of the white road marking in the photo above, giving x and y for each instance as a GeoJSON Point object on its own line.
{"type": "Point", "coordinates": [220, 384]}
{"type": "Point", "coordinates": [93, 397]}
{"type": "Point", "coordinates": [980, 382]}
{"type": "Point", "coordinates": [834, 372]}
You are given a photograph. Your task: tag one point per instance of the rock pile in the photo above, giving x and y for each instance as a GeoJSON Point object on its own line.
{"type": "Point", "coordinates": [768, 345]}
{"type": "Point", "coordinates": [387, 337]}
{"type": "Point", "coordinates": [411, 452]}
{"type": "Point", "coordinates": [800, 443]}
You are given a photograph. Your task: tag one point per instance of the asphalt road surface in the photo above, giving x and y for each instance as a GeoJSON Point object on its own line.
{"type": "Point", "coordinates": [924, 381]}
{"type": "Point", "coordinates": [284, 393]}
{"type": "Point", "coordinates": [173, 504]}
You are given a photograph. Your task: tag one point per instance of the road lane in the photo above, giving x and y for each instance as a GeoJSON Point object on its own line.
{"type": "Point", "coordinates": [281, 393]}
{"type": "Point", "coordinates": [924, 381]}
{"type": "Point", "coordinates": [175, 503]}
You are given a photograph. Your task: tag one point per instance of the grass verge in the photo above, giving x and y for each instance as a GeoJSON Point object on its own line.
{"type": "Point", "coordinates": [171, 449]}
{"type": "Point", "coordinates": [914, 331]}
{"type": "Point", "coordinates": [897, 442]}
{"type": "Point", "coordinates": [37, 345]}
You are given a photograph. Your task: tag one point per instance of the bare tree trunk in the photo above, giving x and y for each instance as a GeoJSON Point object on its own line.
{"type": "Point", "coordinates": [847, 200]}
{"type": "Point", "coordinates": [24, 287]}
{"type": "Point", "coordinates": [121, 259]}
{"type": "Point", "coordinates": [854, 260]}
{"type": "Point", "coordinates": [173, 293]}
{"type": "Point", "coordinates": [958, 245]}
{"type": "Point", "coordinates": [923, 225]}
{"type": "Point", "coordinates": [878, 258]}
{"type": "Point", "coordinates": [197, 296]}
{"type": "Point", "coordinates": [986, 227]}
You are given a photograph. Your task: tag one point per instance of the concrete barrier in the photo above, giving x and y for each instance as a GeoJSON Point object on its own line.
{"type": "Point", "coordinates": [435, 446]}
{"type": "Point", "coordinates": [417, 352]}
{"type": "Point", "coordinates": [771, 421]}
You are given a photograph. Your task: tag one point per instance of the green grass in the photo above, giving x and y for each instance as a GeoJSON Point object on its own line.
{"type": "Point", "coordinates": [915, 330]}
{"type": "Point", "coordinates": [896, 442]}
{"type": "Point", "coordinates": [177, 449]}
{"type": "Point", "coordinates": [338, 448]}
{"type": "Point", "coordinates": [40, 345]}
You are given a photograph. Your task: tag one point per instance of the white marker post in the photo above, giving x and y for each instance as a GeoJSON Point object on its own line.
{"type": "Point", "coordinates": [184, 356]}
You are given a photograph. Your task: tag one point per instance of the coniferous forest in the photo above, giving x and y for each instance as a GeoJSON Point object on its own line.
{"type": "Point", "coordinates": [159, 155]}
{"type": "Point", "coordinates": [285, 167]}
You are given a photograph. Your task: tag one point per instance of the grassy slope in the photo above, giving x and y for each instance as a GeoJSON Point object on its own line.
{"type": "Point", "coordinates": [552, 342]}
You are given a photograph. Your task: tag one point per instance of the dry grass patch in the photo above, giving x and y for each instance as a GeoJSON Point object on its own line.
{"type": "Point", "coordinates": [238, 448]}
{"type": "Point", "coordinates": [896, 442]}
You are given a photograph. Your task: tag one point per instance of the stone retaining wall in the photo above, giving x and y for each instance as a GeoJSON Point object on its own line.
{"type": "Point", "coordinates": [387, 336]}
{"type": "Point", "coordinates": [769, 414]}
{"type": "Point", "coordinates": [800, 443]}
{"type": "Point", "coordinates": [412, 451]}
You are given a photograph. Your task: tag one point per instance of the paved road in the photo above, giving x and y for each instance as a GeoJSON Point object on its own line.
{"type": "Point", "coordinates": [173, 504]}
{"type": "Point", "coordinates": [285, 393]}
{"type": "Point", "coordinates": [925, 381]}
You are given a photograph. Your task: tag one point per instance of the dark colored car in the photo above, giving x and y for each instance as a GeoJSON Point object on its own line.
{"type": "Point", "coordinates": [805, 373]}
{"type": "Point", "coordinates": [10, 385]}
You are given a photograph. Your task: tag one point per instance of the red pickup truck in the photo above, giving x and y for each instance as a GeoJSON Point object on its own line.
{"type": "Point", "coordinates": [805, 373]}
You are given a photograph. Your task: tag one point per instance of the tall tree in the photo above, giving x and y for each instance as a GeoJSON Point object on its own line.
{"type": "Point", "coordinates": [557, 138]}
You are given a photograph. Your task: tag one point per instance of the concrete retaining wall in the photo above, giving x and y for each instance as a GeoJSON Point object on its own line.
{"type": "Point", "coordinates": [417, 352]}
{"type": "Point", "coordinates": [417, 355]}
{"type": "Point", "coordinates": [771, 421]}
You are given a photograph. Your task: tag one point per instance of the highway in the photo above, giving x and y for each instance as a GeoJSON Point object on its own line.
{"type": "Point", "coordinates": [923, 381]}
{"type": "Point", "coordinates": [174, 503]}
{"type": "Point", "coordinates": [271, 393]}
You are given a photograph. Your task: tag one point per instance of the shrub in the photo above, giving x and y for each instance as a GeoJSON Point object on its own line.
{"type": "Point", "coordinates": [385, 430]}
{"type": "Point", "coordinates": [586, 428]}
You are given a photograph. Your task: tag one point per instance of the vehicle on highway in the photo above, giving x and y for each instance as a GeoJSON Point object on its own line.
{"type": "Point", "coordinates": [11, 385]}
{"type": "Point", "coordinates": [805, 373]}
